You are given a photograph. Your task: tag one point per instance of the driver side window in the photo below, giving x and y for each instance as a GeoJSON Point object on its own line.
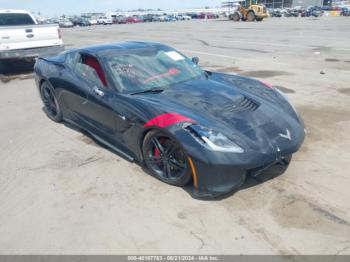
{"type": "Point", "coordinates": [89, 68]}
{"type": "Point", "coordinates": [88, 73]}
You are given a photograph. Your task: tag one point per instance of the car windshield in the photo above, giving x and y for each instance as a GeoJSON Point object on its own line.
{"type": "Point", "coordinates": [147, 69]}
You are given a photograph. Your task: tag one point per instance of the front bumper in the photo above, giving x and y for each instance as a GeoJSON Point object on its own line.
{"type": "Point", "coordinates": [218, 180]}
{"type": "Point", "coordinates": [31, 52]}
{"type": "Point", "coordinates": [221, 173]}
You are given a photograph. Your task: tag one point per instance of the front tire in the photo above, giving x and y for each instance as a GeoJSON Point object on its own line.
{"type": "Point", "coordinates": [51, 105]}
{"type": "Point", "coordinates": [251, 16]}
{"type": "Point", "coordinates": [166, 159]}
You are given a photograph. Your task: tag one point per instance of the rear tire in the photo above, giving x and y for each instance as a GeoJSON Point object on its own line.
{"type": "Point", "coordinates": [259, 19]}
{"type": "Point", "coordinates": [251, 16]}
{"type": "Point", "coordinates": [166, 159]}
{"type": "Point", "coordinates": [51, 105]}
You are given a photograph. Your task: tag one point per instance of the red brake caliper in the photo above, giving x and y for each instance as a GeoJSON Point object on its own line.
{"type": "Point", "coordinates": [156, 151]}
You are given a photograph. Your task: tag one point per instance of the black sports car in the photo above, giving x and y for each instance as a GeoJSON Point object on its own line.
{"type": "Point", "coordinates": [152, 104]}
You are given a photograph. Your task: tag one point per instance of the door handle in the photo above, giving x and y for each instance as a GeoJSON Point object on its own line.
{"type": "Point", "coordinates": [98, 91]}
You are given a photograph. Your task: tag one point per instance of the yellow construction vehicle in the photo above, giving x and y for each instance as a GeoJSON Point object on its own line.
{"type": "Point", "coordinates": [249, 10]}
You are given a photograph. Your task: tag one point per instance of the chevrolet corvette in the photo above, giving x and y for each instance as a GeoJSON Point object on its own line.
{"type": "Point", "coordinates": [206, 131]}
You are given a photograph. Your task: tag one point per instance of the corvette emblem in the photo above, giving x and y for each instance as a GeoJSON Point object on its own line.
{"type": "Point", "coordinates": [286, 135]}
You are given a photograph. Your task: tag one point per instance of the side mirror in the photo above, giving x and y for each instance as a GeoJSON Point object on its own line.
{"type": "Point", "coordinates": [195, 60]}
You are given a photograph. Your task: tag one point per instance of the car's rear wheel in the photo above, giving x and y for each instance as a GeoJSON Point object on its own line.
{"type": "Point", "coordinates": [51, 105]}
{"type": "Point", "coordinates": [166, 159]}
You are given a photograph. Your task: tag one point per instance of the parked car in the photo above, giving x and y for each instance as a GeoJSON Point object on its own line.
{"type": "Point", "coordinates": [161, 18]}
{"type": "Point", "coordinates": [78, 21]}
{"type": "Point", "coordinates": [148, 18]}
{"type": "Point", "coordinates": [170, 18]}
{"type": "Point", "coordinates": [153, 105]}
{"type": "Point", "coordinates": [184, 17]}
{"type": "Point", "coordinates": [207, 16]}
{"type": "Point", "coordinates": [305, 13]}
{"type": "Point", "coordinates": [315, 11]}
{"type": "Point", "coordinates": [193, 15]}
{"type": "Point", "coordinates": [92, 21]}
{"type": "Point", "coordinates": [345, 11]}
{"type": "Point", "coordinates": [65, 23]}
{"type": "Point", "coordinates": [131, 19]}
{"type": "Point", "coordinates": [22, 37]}
{"type": "Point", "coordinates": [291, 13]}
{"type": "Point", "coordinates": [276, 13]}
{"type": "Point", "coordinates": [120, 19]}
{"type": "Point", "coordinates": [104, 20]}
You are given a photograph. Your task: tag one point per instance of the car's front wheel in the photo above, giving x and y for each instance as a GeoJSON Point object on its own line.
{"type": "Point", "coordinates": [166, 159]}
{"type": "Point", "coordinates": [51, 105]}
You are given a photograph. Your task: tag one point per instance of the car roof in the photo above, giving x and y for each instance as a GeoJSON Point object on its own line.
{"type": "Point", "coordinates": [122, 46]}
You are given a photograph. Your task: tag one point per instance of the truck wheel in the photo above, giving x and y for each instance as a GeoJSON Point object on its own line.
{"type": "Point", "coordinates": [251, 16]}
{"type": "Point", "coordinates": [236, 17]}
{"type": "Point", "coordinates": [259, 19]}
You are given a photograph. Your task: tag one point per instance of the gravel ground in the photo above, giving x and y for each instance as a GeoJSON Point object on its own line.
{"type": "Point", "coordinates": [61, 193]}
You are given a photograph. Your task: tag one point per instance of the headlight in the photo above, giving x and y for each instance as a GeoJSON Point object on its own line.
{"type": "Point", "coordinates": [213, 140]}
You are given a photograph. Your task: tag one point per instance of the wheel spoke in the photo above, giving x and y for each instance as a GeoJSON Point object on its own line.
{"type": "Point", "coordinates": [176, 164]}
{"type": "Point", "coordinates": [166, 169]}
{"type": "Point", "coordinates": [46, 94]}
{"type": "Point", "coordinates": [171, 148]}
{"type": "Point", "coordinates": [158, 145]}
{"type": "Point", "coordinates": [155, 159]}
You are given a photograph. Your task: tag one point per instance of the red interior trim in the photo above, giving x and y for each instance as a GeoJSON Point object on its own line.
{"type": "Point", "coordinates": [92, 62]}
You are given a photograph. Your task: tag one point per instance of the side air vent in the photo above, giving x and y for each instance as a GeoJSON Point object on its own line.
{"type": "Point", "coordinates": [242, 104]}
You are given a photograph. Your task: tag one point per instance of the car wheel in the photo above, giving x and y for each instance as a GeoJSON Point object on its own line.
{"type": "Point", "coordinates": [166, 159]}
{"type": "Point", "coordinates": [251, 16]}
{"type": "Point", "coordinates": [51, 106]}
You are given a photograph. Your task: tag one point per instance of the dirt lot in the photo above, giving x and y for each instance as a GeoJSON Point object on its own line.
{"type": "Point", "coordinates": [61, 193]}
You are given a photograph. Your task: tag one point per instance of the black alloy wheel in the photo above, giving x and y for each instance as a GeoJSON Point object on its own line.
{"type": "Point", "coordinates": [51, 106]}
{"type": "Point", "coordinates": [166, 159]}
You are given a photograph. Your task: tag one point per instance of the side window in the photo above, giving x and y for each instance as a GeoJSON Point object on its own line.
{"type": "Point", "coordinates": [90, 68]}
{"type": "Point", "coordinates": [88, 73]}
{"type": "Point", "coordinates": [72, 59]}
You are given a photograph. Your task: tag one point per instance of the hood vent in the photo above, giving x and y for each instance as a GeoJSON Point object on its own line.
{"type": "Point", "coordinates": [242, 104]}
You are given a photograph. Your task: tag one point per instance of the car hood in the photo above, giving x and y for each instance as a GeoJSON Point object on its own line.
{"type": "Point", "coordinates": [228, 108]}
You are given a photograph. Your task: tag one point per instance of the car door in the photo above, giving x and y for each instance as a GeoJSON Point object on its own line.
{"type": "Point", "coordinates": [72, 89]}
{"type": "Point", "coordinates": [99, 112]}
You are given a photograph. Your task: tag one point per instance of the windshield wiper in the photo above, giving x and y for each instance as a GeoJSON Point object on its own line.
{"type": "Point", "coordinates": [152, 91]}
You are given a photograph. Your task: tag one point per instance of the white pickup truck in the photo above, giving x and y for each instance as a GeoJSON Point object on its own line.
{"type": "Point", "coordinates": [21, 37]}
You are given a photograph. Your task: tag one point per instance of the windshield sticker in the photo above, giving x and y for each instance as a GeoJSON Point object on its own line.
{"type": "Point", "coordinates": [123, 68]}
{"type": "Point", "coordinates": [174, 55]}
